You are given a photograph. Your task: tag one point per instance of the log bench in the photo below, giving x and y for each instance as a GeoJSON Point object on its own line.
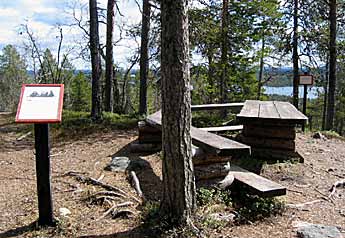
{"type": "Point", "coordinates": [212, 155]}
{"type": "Point", "coordinates": [211, 143]}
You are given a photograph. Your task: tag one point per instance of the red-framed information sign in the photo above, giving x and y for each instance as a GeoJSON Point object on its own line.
{"type": "Point", "coordinates": [306, 79]}
{"type": "Point", "coordinates": [40, 103]}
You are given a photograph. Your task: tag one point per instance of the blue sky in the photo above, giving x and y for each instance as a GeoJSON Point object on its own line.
{"type": "Point", "coordinates": [43, 16]}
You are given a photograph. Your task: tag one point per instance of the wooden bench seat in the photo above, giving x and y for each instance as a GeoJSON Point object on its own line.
{"type": "Point", "coordinates": [209, 142]}
{"type": "Point", "coordinates": [256, 184]}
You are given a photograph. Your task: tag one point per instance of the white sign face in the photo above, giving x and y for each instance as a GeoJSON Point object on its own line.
{"type": "Point", "coordinates": [306, 80]}
{"type": "Point", "coordinates": [40, 103]}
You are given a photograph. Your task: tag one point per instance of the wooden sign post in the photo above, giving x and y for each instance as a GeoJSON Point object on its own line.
{"type": "Point", "coordinates": [41, 104]}
{"type": "Point", "coordinates": [305, 80]}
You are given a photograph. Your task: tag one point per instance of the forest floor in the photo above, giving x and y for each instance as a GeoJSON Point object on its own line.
{"type": "Point", "coordinates": [89, 153]}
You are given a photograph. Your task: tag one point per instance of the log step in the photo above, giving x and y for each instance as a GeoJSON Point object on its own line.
{"type": "Point", "coordinates": [255, 183]}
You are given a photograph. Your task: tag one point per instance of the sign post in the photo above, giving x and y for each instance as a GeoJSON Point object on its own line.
{"type": "Point", "coordinates": [305, 80]}
{"type": "Point", "coordinates": [45, 204]}
{"type": "Point", "coordinates": [41, 104]}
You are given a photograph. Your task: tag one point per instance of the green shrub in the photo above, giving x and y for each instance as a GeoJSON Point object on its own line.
{"type": "Point", "coordinates": [252, 207]}
{"type": "Point", "coordinates": [207, 196]}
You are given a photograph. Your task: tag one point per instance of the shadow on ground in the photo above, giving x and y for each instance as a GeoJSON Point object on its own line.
{"type": "Point", "coordinates": [19, 230]}
{"type": "Point", "coordinates": [150, 182]}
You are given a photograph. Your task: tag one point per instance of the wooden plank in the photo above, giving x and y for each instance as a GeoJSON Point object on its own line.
{"type": "Point", "coordinates": [271, 131]}
{"type": "Point", "coordinates": [269, 143]}
{"type": "Point", "coordinates": [211, 143]}
{"type": "Point", "coordinates": [137, 147]}
{"type": "Point", "coordinates": [250, 109]}
{"type": "Point", "coordinates": [211, 171]}
{"type": "Point", "coordinates": [277, 155]}
{"type": "Point", "coordinates": [233, 106]}
{"type": "Point", "coordinates": [268, 110]}
{"type": "Point", "coordinates": [202, 158]}
{"type": "Point", "coordinates": [262, 112]}
{"type": "Point", "coordinates": [222, 128]}
{"type": "Point", "coordinates": [256, 184]}
{"type": "Point", "coordinates": [289, 112]}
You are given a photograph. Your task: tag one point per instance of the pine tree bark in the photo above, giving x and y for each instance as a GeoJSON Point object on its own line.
{"type": "Point", "coordinates": [261, 70]}
{"type": "Point", "coordinates": [109, 61]}
{"type": "Point", "coordinates": [210, 77]}
{"type": "Point", "coordinates": [295, 56]}
{"type": "Point", "coordinates": [95, 61]}
{"type": "Point", "coordinates": [178, 201]}
{"type": "Point", "coordinates": [332, 63]}
{"type": "Point", "coordinates": [325, 96]}
{"type": "Point", "coordinates": [144, 59]}
{"type": "Point", "coordinates": [224, 54]}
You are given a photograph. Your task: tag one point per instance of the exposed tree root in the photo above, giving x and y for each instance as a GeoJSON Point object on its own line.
{"type": "Point", "coordinates": [136, 184]}
{"type": "Point", "coordinates": [340, 183]}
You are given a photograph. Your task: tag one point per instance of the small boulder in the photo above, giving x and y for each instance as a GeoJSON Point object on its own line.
{"type": "Point", "coordinates": [118, 164]}
{"type": "Point", "coordinates": [309, 230]}
{"type": "Point", "coordinates": [123, 164]}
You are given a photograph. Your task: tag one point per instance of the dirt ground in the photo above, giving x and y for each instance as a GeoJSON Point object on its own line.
{"type": "Point", "coordinates": [88, 155]}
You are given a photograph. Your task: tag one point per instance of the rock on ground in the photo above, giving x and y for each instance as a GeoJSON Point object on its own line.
{"type": "Point", "coordinates": [123, 164]}
{"type": "Point", "coordinates": [308, 230]}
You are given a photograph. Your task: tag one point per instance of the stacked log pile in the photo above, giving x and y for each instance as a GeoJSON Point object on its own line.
{"type": "Point", "coordinates": [270, 139]}
{"type": "Point", "coordinates": [269, 128]}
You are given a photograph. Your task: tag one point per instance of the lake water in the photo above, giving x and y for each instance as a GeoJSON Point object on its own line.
{"type": "Point", "coordinates": [287, 91]}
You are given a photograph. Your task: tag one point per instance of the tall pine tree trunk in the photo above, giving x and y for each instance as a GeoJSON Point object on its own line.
{"type": "Point", "coordinates": [210, 77]}
{"type": "Point", "coordinates": [224, 55]}
{"type": "Point", "coordinates": [224, 51]}
{"type": "Point", "coordinates": [325, 96]}
{"type": "Point", "coordinates": [295, 54]}
{"type": "Point", "coordinates": [332, 63]}
{"type": "Point", "coordinates": [95, 61]}
{"type": "Point", "coordinates": [178, 201]}
{"type": "Point", "coordinates": [144, 59]}
{"type": "Point", "coordinates": [109, 61]}
{"type": "Point", "coordinates": [261, 70]}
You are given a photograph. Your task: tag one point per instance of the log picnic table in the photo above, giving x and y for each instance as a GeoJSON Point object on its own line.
{"type": "Point", "coordinates": [269, 128]}
{"type": "Point", "coordinates": [211, 157]}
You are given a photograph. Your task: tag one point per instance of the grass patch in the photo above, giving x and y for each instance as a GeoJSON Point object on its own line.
{"type": "Point", "coordinates": [79, 123]}
{"type": "Point", "coordinates": [332, 135]}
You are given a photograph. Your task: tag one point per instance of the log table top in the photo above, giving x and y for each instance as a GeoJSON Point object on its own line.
{"type": "Point", "coordinates": [210, 142]}
{"type": "Point", "coordinates": [275, 111]}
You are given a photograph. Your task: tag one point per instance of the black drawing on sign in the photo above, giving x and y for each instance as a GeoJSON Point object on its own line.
{"type": "Point", "coordinates": [42, 94]}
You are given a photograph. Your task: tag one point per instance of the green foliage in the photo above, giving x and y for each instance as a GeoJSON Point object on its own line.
{"type": "Point", "coordinates": [247, 24]}
{"type": "Point", "coordinates": [207, 196]}
{"type": "Point", "coordinates": [252, 207]}
{"type": "Point", "coordinates": [80, 94]}
{"type": "Point", "coordinates": [206, 119]}
{"type": "Point", "coordinates": [150, 213]}
{"type": "Point", "coordinates": [332, 135]}
{"type": "Point", "coordinates": [12, 75]}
